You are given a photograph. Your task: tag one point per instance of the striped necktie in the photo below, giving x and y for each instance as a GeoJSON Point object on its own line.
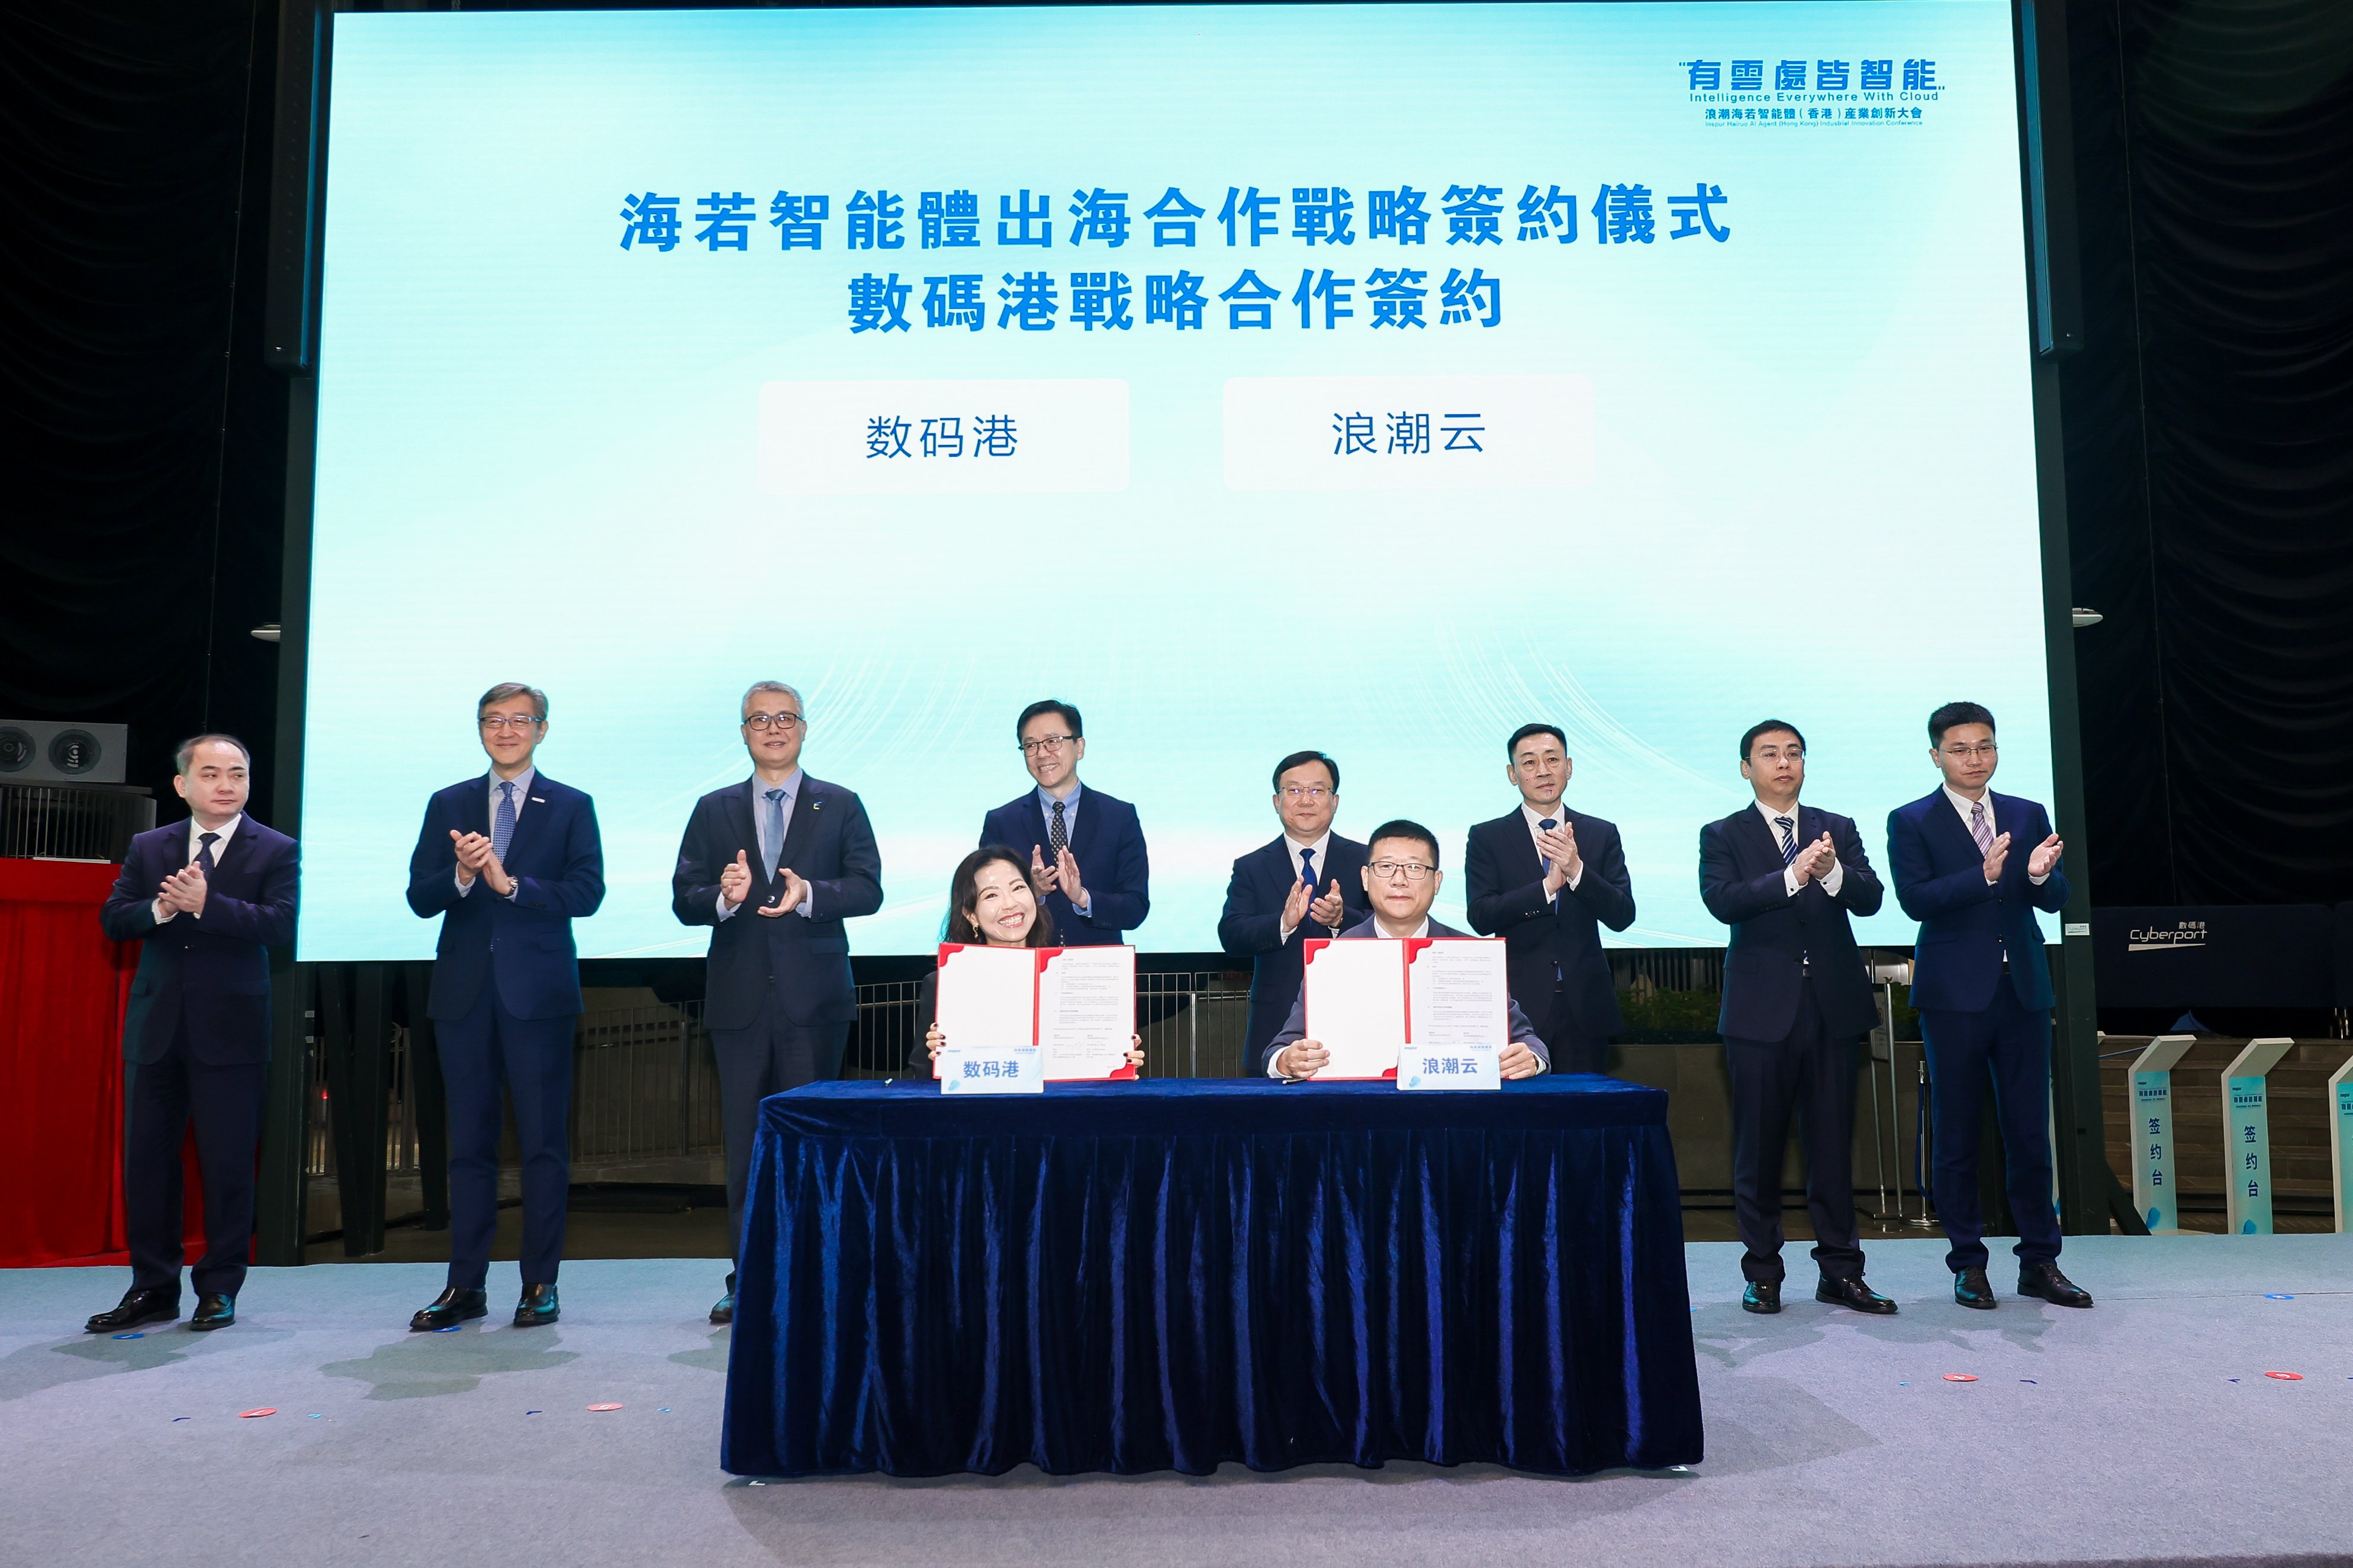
{"type": "Point", "coordinates": [1788, 840]}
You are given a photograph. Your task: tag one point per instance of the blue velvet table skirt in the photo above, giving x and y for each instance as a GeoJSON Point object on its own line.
{"type": "Point", "coordinates": [1171, 1274]}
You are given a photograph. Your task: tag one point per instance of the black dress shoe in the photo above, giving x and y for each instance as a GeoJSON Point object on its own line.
{"type": "Point", "coordinates": [449, 1309]}
{"type": "Point", "coordinates": [2044, 1279]}
{"type": "Point", "coordinates": [213, 1311]}
{"type": "Point", "coordinates": [149, 1304]}
{"type": "Point", "coordinates": [1849, 1291]}
{"type": "Point", "coordinates": [1970, 1289]}
{"type": "Point", "coordinates": [1762, 1296]}
{"type": "Point", "coordinates": [724, 1309]}
{"type": "Point", "coordinates": [537, 1308]}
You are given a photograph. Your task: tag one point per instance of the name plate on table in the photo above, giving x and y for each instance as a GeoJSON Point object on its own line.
{"type": "Point", "coordinates": [1458, 1013]}
{"type": "Point", "coordinates": [1018, 1069]}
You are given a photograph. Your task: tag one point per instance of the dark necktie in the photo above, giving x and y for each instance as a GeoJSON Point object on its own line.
{"type": "Point", "coordinates": [1548, 823]}
{"type": "Point", "coordinates": [772, 832]}
{"type": "Point", "coordinates": [1788, 840]}
{"type": "Point", "coordinates": [502, 824]}
{"type": "Point", "coordinates": [1058, 837]}
{"type": "Point", "coordinates": [205, 853]}
{"type": "Point", "coordinates": [1307, 869]}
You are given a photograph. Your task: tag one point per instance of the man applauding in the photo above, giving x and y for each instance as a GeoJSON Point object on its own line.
{"type": "Point", "coordinates": [1086, 849]}
{"type": "Point", "coordinates": [1308, 882]}
{"type": "Point", "coordinates": [1972, 867]}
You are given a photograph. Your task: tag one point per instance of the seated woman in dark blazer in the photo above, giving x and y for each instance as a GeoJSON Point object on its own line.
{"type": "Point", "coordinates": [990, 901]}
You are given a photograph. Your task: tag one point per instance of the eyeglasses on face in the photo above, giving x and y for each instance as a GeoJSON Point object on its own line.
{"type": "Point", "coordinates": [1304, 792]}
{"type": "Point", "coordinates": [1961, 754]}
{"type": "Point", "coordinates": [509, 720]}
{"type": "Point", "coordinates": [1046, 743]}
{"type": "Point", "coordinates": [788, 723]}
{"type": "Point", "coordinates": [1410, 871]}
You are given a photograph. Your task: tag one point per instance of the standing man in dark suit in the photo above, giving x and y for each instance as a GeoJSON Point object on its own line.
{"type": "Point", "coordinates": [778, 998]}
{"type": "Point", "coordinates": [1982, 985]}
{"type": "Point", "coordinates": [208, 898]}
{"type": "Point", "coordinates": [1063, 828]}
{"type": "Point", "coordinates": [1784, 878]}
{"type": "Point", "coordinates": [1273, 903]}
{"type": "Point", "coordinates": [508, 862]}
{"type": "Point", "coordinates": [1545, 879]}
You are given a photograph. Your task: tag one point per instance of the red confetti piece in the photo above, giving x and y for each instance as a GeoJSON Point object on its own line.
{"type": "Point", "coordinates": [604, 1407]}
{"type": "Point", "coordinates": [2286, 1376]}
{"type": "Point", "coordinates": [1961, 1377]}
{"type": "Point", "coordinates": [250, 1415]}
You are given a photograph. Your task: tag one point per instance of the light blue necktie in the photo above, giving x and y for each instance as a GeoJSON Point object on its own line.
{"type": "Point", "coordinates": [1788, 840]}
{"type": "Point", "coordinates": [502, 824]}
{"type": "Point", "coordinates": [772, 832]}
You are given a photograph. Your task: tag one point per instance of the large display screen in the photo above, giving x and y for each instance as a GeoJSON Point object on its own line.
{"type": "Point", "coordinates": [1373, 379]}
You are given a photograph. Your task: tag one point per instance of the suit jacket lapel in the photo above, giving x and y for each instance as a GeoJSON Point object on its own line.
{"type": "Point", "coordinates": [806, 802]}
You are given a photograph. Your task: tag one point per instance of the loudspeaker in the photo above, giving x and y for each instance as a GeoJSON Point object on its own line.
{"type": "Point", "coordinates": [35, 750]}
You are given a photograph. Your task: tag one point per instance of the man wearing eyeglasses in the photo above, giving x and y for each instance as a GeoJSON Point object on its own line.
{"type": "Point", "coordinates": [1545, 879]}
{"type": "Point", "coordinates": [774, 865]}
{"type": "Point", "coordinates": [1784, 878]}
{"type": "Point", "coordinates": [1401, 878]}
{"type": "Point", "coordinates": [1308, 882]}
{"type": "Point", "coordinates": [1086, 848]}
{"type": "Point", "coordinates": [508, 862]}
{"type": "Point", "coordinates": [1973, 867]}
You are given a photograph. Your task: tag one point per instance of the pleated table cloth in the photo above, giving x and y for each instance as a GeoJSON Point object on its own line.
{"type": "Point", "coordinates": [1173, 1274]}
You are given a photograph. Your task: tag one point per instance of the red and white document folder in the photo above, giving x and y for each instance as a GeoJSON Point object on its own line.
{"type": "Point", "coordinates": [1074, 1006]}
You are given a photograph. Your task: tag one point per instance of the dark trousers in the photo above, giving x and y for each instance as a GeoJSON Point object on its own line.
{"type": "Point", "coordinates": [160, 1097]}
{"type": "Point", "coordinates": [1572, 1049]}
{"type": "Point", "coordinates": [2013, 1043]}
{"type": "Point", "coordinates": [1809, 1072]}
{"type": "Point", "coordinates": [768, 1057]}
{"type": "Point", "coordinates": [531, 1058]}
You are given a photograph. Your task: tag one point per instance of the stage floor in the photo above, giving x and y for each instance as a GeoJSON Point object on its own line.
{"type": "Point", "coordinates": [2143, 1431]}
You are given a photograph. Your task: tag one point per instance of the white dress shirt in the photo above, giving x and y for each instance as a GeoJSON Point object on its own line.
{"type": "Point", "coordinates": [1321, 848]}
{"type": "Point", "coordinates": [1964, 805]}
{"type": "Point", "coordinates": [760, 787]}
{"type": "Point", "coordinates": [226, 830]}
{"type": "Point", "coordinates": [523, 782]}
{"type": "Point", "coordinates": [1832, 881]}
{"type": "Point", "coordinates": [1559, 812]}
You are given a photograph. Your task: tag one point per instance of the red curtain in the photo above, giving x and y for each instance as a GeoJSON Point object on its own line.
{"type": "Point", "coordinates": [63, 986]}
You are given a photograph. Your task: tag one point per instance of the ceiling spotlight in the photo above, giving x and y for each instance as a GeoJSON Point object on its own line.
{"type": "Point", "coordinates": [269, 632]}
{"type": "Point", "coordinates": [2084, 617]}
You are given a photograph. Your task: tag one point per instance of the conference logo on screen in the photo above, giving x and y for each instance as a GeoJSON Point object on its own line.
{"type": "Point", "coordinates": [1885, 90]}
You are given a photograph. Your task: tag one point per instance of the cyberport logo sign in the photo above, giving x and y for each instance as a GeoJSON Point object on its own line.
{"type": "Point", "coordinates": [2157, 939]}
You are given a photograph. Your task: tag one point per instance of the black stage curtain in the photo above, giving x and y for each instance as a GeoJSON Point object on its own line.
{"type": "Point", "coordinates": [2210, 419]}
{"type": "Point", "coordinates": [144, 493]}
{"type": "Point", "coordinates": [2210, 446]}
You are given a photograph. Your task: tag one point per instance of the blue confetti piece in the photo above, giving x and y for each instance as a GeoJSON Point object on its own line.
{"type": "Point", "coordinates": [2234, 1380]}
{"type": "Point", "coordinates": [314, 1415]}
{"type": "Point", "coordinates": [2026, 1380]}
{"type": "Point", "coordinates": [665, 1409]}
{"type": "Point", "coordinates": [2274, 1296]}
{"type": "Point", "coordinates": [535, 1412]}
{"type": "Point", "coordinates": [450, 1330]}
{"type": "Point", "coordinates": [180, 1418]}
{"type": "Point", "coordinates": [137, 1336]}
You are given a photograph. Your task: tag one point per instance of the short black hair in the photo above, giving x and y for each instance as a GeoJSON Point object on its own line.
{"type": "Point", "coordinates": [1035, 710]}
{"type": "Point", "coordinates": [1299, 760]}
{"type": "Point", "coordinates": [1766, 726]}
{"type": "Point", "coordinates": [1398, 828]}
{"type": "Point", "coordinates": [1953, 714]}
{"type": "Point", "coordinates": [1512, 746]}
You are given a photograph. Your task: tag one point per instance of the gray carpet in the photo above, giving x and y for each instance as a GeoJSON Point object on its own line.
{"type": "Point", "coordinates": [2141, 1431]}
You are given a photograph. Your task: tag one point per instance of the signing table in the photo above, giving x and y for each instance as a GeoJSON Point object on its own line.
{"type": "Point", "coordinates": [1171, 1274]}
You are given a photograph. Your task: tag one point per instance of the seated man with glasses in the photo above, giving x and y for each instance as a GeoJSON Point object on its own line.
{"type": "Point", "coordinates": [1308, 882]}
{"type": "Point", "coordinates": [508, 862]}
{"type": "Point", "coordinates": [1402, 879]}
{"type": "Point", "coordinates": [1982, 985]}
{"type": "Point", "coordinates": [1086, 849]}
{"type": "Point", "coordinates": [773, 864]}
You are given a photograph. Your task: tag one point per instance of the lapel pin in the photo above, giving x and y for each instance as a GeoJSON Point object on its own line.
{"type": "Point", "coordinates": [539, 800]}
